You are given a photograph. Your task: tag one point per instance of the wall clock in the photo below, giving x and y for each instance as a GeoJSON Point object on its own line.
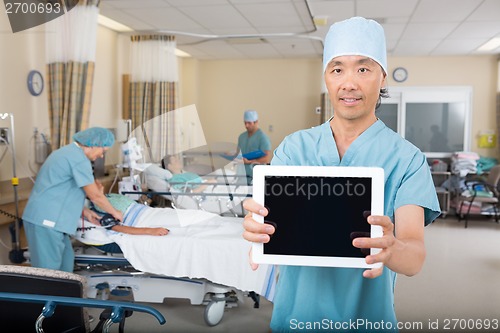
{"type": "Point", "coordinates": [400, 74]}
{"type": "Point", "coordinates": [35, 82]}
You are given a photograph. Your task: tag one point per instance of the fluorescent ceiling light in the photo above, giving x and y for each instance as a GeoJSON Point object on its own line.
{"type": "Point", "coordinates": [181, 53]}
{"type": "Point", "coordinates": [490, 45]}
{"type": "Point", "coordinates": [111, 24]}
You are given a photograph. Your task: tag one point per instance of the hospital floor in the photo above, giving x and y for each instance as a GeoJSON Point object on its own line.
{"type": "Point", "coordinates": [457, 290]}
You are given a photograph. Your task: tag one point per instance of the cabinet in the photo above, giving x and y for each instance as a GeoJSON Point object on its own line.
{"type": "Point", "coordinates": [444, 196]}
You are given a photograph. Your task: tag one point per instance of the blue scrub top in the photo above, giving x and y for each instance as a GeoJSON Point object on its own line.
{"type": "Point", "coordinates": [259, 140]}
{"type": "Point", "coordinates": [323, 296]}
{"type": "Point", "coordinates": [57, 198]}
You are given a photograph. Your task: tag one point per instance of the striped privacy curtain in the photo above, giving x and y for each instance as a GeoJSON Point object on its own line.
{"type": "Point", "coordinates": [153, 92]}
{"type": "Point", "coordinates": [70, 51]}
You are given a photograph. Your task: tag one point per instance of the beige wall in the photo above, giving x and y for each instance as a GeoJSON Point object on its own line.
{"type": "Point", "coordinates": [20, 53]}
{"type": "Point", "coordinates": [479, 72]}
{"type": "Point", "coordinates": [284, 92]}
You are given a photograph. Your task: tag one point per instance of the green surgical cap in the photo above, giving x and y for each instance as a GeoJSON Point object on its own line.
{"type": "Point", "coordinates": [95, 137]}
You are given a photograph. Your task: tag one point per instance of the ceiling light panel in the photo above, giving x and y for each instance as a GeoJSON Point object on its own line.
{"type": "Point", "coordinates": [490, 45]}
{"type": "Point", "coordinates": [126, 19]}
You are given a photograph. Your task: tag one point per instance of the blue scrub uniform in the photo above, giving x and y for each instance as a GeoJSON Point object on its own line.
{"type": "Point", "coordinates": [259, 140]}
{"type": "Point", "coordinates": [55, 206]}
{"type": "Point", "coordinates": [313, 299]}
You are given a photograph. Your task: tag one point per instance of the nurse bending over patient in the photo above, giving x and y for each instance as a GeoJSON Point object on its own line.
{"type": "Point", "coordinates": [57, 200]}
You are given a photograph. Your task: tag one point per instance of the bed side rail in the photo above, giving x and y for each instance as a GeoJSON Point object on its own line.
{"type": "Point", "coordinates": [201, 194]}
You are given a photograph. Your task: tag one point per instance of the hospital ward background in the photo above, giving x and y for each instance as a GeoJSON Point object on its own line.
{"type": "Point", "coordinates": [443, 98]}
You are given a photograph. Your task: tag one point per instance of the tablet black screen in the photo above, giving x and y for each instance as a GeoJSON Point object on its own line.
{"type": "Point", "coordinates": [317, 216]}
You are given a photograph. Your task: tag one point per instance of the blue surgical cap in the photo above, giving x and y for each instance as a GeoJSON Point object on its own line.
{"type": "Point", "coordinates": [356, 36]}
{"type": "Point", "coordinates": [250, 115]}
{"type": "Point", "coordinates": [95, 137]}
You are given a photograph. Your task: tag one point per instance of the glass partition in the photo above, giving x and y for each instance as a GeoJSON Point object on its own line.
{"type": "Point", "coordinates": [435, 119]}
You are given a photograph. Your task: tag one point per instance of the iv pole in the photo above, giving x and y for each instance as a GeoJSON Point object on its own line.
{"type": "Point", "coordinates": [16, 254]}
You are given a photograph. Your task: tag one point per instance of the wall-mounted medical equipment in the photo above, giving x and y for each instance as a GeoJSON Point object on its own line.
{"type": "Point", "coordinates": [131, 153]}
{"type": "Point", "coordinates": [42, 147]}
{"type": "Point", "coordinates": [123, 129]}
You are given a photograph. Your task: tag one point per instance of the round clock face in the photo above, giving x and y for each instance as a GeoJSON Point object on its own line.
{"type": "Point", "coordinates": [400, 74]}
{"type": "Point", "coordinates": [35, 83]}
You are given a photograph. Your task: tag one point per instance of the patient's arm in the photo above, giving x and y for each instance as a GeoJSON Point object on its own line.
{"type": "Point", "coordinates": [201, 188]}
{"type": "Point", "coordinates": [95, 193]}
{"type": "Point", "coordinates": [140, 231]}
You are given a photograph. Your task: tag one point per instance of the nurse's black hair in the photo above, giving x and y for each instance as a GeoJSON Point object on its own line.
{"type": "Point", "coordinates": [384, 93]}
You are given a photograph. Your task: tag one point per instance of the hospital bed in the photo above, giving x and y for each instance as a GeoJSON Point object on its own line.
{"type": "Point", "coordinates": [224, 194]}
{"type": "Point", "coordinates": [204, 258]}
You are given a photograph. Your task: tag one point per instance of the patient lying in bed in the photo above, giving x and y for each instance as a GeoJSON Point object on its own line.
{"type": "Point", "coordinates": [161, 179]}
{"type": "Point", "coordinates": [199, 244]}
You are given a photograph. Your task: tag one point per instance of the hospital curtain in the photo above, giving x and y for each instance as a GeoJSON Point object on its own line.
{"type": "Point", "coordinates": [153, 93]}
{"type": "Point", "coordinates": [70, 52]}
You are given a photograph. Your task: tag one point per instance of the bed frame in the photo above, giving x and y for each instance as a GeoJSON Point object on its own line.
{"type": "Point", "coordinates": [112, 274]}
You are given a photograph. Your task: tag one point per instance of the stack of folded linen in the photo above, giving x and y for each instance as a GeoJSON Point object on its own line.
{"type": "Point", "coordinates": [464, 163]}
{"type": "Point", "coordinates": [475, 208]}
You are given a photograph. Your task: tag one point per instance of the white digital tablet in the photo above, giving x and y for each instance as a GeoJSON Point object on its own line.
{"type": "Point", "coordinates": [317, 212]}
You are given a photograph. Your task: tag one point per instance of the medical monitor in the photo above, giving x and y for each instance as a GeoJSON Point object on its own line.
{"type": "Point", "coordinates": [317, 212]}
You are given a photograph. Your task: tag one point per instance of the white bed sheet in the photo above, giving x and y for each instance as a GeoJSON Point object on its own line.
{"type": "Point", "coordinates": [199, 245]}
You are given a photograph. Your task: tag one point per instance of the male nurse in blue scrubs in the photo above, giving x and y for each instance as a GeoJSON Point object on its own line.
{"type": "Point", "coordinates": [56, 203]}
{"type": "Point", "coordinates": [252, 140]}
{"type": "Point", "coordinates": [351, 299]}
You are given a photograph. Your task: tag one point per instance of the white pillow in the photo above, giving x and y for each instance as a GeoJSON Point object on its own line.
{"type": "Point", "coordinates": [155, 170]}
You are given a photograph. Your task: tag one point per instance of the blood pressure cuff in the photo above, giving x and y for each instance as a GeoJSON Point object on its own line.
{"type": "Point", "coordinates": [108, 221]}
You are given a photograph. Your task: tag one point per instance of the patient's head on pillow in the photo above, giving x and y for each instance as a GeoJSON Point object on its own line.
{"type": "Point", "coordinates": [172, 163]}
